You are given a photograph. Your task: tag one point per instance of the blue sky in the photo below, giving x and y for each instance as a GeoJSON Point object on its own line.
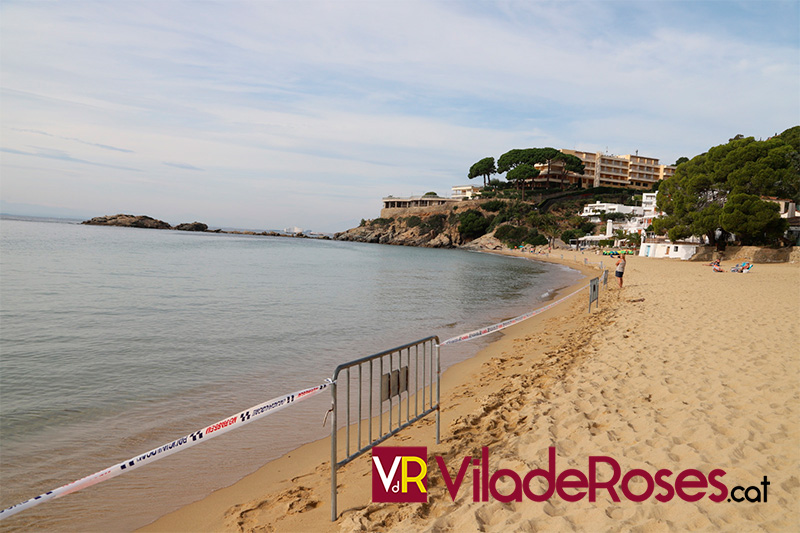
{"type": "Point", "coordinates": [268, 114]}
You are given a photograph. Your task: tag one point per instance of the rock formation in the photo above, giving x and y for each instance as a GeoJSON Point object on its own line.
{"type": "Point", "coordinates": [430, 231]}
{"type": "Point", "coordinates": [191, 226]}
{"type": "Point", "coordinates": [130, 221]}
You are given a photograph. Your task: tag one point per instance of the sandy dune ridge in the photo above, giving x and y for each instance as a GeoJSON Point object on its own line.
{"type": "Point", "coordinates": [682, 369]}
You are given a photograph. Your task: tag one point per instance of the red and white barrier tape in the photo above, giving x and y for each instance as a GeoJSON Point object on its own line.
{"type": "Point", "coordinates": [510, 322]}
{"type": "Point", "coordinates": [196, 437]}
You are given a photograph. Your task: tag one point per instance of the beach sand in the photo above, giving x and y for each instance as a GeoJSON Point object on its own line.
{"type": "Point", "coordinates": [681, 369]}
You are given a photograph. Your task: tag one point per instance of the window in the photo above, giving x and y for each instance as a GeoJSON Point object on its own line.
{"type": "Point", "coordinates": [675, 249]}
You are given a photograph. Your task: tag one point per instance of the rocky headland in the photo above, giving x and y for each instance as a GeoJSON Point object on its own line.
{"type": "Point", "coordinates": [433, 227]}
{"type": "Point", "coordinates": [398, 232]}
{"type": "Point", "coordinates": [415, 227]}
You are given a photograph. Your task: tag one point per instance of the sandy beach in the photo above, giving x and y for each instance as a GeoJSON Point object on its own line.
{"type": "Point", "coordinates": [681, 369]}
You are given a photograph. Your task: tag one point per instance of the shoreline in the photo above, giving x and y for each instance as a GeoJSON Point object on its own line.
{"type": "Point", "coordinates": [652, 379]}
{"type": "Point", "coordinates": [277, 475]}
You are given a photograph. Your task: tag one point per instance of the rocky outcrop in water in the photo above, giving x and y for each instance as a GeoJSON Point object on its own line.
{"type": "Point", "coordinates": [129, 221]}
{"type": "Point", "coordinates": [191, 226]}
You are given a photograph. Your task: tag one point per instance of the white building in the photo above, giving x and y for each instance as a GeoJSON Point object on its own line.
{"type": "Point", "coordinates": [593, 211]}
{"type": "Point", "coordinates": [786, 208]}
{"type": "Point", "coordinates": [663, 248]}
{"type": "Point", "coordinates": [638, 219]}
{"type": "Point", "coordinates": [466, 192]}
{"type": "Point", "coordinates": [649, 205]}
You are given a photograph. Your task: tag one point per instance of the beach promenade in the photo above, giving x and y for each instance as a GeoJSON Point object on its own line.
{"type": "Point", "coordinates": [681, 369]}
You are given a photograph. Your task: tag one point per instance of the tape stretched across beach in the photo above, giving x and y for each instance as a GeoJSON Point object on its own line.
{"type": "Point", "coordinates": [510, 322]}
{"type": "Point", "coordinates": [196, 437]}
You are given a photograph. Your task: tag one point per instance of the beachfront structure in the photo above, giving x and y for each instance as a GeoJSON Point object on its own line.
{"type": "Point", "coordinates": [649, 205]}
{"type": "Point", "coordinates": [465, 192]}
{"type": "Point", "coordinates": [554, 174]}
{"type": "Point", "coordinates": [786, 208]}
{"type": "Point", "coordinates": [393, 202]}
{"type": "Point", "coordinates": [593, 211]}
{"type": "Point", "coordinates": [631, 170]}
{"type": "Point", "coordinates": [660, 247]}
{"type": "Point", "coordinates": [638, 218]}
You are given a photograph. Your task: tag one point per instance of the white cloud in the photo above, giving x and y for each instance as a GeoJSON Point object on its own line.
{"type": "Point", "coordinates": [333, 105]}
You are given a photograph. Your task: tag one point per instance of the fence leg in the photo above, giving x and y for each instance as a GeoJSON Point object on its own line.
{"type": "Point", "coordinates": [333, 455]}
{"type": "Point", "coordinates": [438, 394]}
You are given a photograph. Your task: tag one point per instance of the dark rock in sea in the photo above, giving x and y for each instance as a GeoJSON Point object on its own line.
{"type": "Point", "coordinates": [130, 221]}
{"type": "Point", "coordinates": [192, 226]}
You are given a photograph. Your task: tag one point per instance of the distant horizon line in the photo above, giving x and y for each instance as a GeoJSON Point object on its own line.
{"type": "Point", "coordinates": [4, 214]}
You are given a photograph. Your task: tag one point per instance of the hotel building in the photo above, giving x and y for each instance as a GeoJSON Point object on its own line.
{"type": "Point", "coordinates": [632, 171]}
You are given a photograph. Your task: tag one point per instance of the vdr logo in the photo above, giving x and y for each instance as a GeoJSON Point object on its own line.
{"type": "Point", "coordinates": [399, 474]}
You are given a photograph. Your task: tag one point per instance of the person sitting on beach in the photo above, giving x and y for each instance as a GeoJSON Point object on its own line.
{"type": "Point", "coordinates": [717, 268]}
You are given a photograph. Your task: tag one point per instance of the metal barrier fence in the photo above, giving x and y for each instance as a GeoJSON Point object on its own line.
{"type": "Point", "coordinates": [379, 378]}
{"type": "Point", "coordinates": [594, 293]}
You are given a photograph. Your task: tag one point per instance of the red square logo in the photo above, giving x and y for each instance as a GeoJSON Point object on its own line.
{"type": "Point", "coordinates": [400, 474]}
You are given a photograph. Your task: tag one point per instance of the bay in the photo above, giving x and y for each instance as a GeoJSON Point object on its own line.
{"type": "Point", "coordinates": [116, 340]}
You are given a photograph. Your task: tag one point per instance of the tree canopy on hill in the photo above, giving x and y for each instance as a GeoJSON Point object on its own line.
{"type": "Point", "coordinates": [485, 167]}
{"type": "Point", "coordinates": [533, 156]}
{"type": "Point", "coordinates": [696, 199]}
{"type": "Point", "coordinates": [520, 174]}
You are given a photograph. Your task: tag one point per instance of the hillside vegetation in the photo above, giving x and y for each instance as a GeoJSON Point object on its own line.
{"type": "Point", "coordinates": [514, 222]}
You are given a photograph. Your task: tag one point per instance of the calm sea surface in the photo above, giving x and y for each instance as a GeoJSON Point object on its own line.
{"type": "Point", "coordinates": [116, 340]}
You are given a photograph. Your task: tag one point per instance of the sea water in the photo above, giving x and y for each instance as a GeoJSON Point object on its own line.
{"type": "Point", "coordinates": [114, 341]}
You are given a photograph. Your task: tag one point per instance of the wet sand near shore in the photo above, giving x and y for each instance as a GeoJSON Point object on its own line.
{"type": "Point", "coordinates": [681, 369]}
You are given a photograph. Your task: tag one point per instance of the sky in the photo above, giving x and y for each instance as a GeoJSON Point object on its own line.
{"type": "Point", "coordinates": [269, 114]}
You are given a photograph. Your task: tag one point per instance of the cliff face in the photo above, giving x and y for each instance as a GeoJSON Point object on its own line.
{"type": "Point", "coordinates": [427, 230]}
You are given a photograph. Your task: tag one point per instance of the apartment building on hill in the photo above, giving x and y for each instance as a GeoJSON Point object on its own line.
{"type": "Point", "coordinates": [632, 171]}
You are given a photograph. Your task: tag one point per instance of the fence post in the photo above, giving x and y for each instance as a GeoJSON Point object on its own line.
{"type": "Point", "coordinates": [594, 291]}
{"type": "Point", "coordinates": [333, 453]}
{"type": "Point", "coordinates": [438, 393]}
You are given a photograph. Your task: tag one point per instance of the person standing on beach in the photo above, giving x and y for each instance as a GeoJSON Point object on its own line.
{"type": "Point", "coordinates": [620, 269]}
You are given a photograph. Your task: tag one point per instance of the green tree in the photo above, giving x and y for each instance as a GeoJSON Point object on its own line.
{"type": "Point", "coordinates": [485, 167]}
{"type": "Point", "coordinates": [472, 224]}
{"type": "Point", "coordinates": [511, 236]}
{"type": "Point", "coordinates": [533, 156]}
{"type": "Point", "coordinates": [493, 205]}
{"type": "Point", "coordinates": [546, 224]}
{"type": "Point", "coordinates": [520, 174]}
{"type": "Point", "coordinates": [693, 199]}
{"type": "Point", "coordinates": [752, 220]}
{"type": "Point", "coordinates": [570, 234]}
{"type": "Point", "coordinates": [535, 238]}
{"type": "Point", "coordinates": [681, 160]}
